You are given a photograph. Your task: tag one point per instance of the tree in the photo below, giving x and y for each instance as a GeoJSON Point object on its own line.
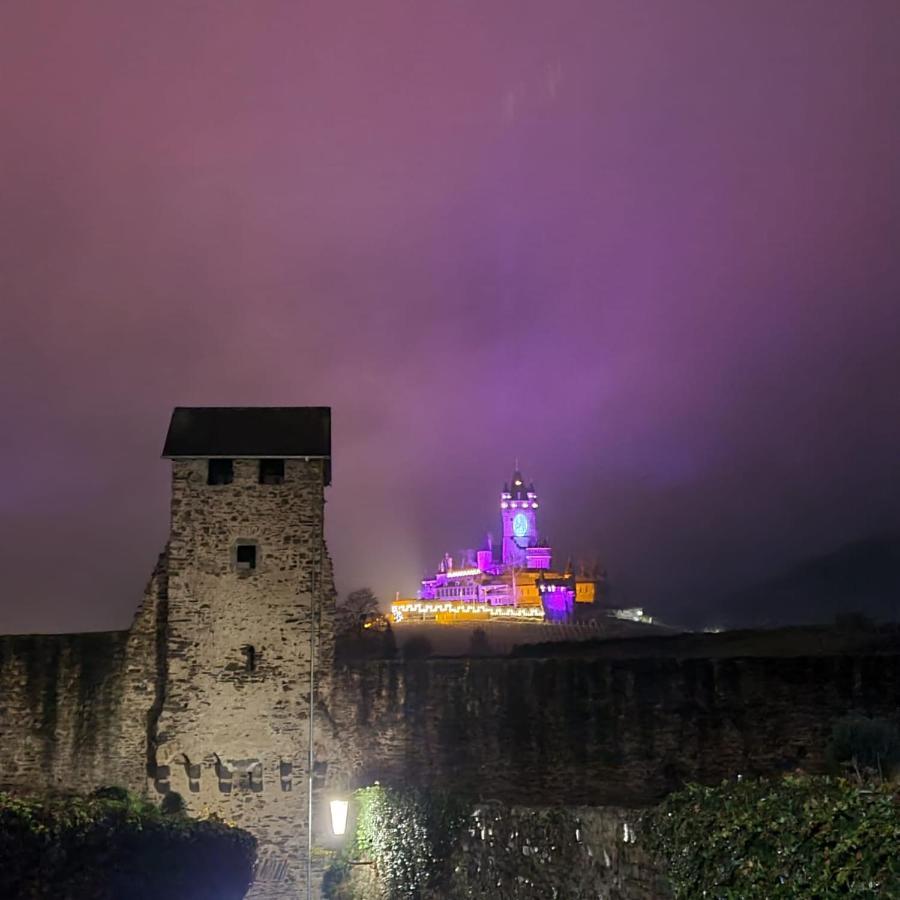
{"type": "Point", "coordinates": [359, 607]}
{"type": "Point", "coordinates": [362, 631]}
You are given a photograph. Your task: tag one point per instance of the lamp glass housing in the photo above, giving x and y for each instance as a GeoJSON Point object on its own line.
{"type": "Point", "coordinates": [339, 810]}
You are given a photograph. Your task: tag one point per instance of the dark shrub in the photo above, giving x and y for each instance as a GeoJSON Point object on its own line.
{"type": "Point", "coordinates": [172, 804]}
{"type": "Point", "coordinates": [794, 837]}
{"type": "Point", "coordinates": [869, 746]}
{"type": "Point", "coordinates": [114, 845]}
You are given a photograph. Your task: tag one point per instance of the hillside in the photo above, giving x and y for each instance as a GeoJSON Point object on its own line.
{"type": "Point", "coordinates": [860, 577]}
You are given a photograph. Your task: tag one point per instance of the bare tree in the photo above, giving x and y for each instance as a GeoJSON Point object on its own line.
{"type": "Point", "coordinates": [351, 616]}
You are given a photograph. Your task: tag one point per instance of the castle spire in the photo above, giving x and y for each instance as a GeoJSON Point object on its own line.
{"type": "Point", "coordinates": [517, 488]}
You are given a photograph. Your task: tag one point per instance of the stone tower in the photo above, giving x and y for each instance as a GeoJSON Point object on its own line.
{"type": "Point", "coordinates": [249, 600]}
{"type": "Point", "coordinates": [518, 506]}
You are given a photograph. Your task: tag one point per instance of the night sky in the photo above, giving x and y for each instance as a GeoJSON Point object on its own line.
{"type": "Point", "coordinates": [648, 248]}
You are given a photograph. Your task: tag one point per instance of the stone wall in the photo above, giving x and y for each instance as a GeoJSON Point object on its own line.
{"type": "Point", "coordinates": [60, 697]}
{"type": "Point", "coordinates": [75, 708]}
{"type": "Point", "coordinates": [594, 731]}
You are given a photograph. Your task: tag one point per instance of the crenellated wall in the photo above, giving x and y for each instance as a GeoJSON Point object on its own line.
{"type": "Point", "coordinates": [576, 731]}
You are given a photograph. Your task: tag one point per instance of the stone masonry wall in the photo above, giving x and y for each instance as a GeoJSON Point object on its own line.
{"type": "Point", "coordinates": [231, 734]}
{"type": "Point", "coordinates": [595, 731]}
{"type": "Point", "coordinates": [74, 707]}
{"type": "Point", "coordinates": [60, 697]}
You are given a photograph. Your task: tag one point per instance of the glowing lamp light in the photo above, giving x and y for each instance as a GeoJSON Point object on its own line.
{"type": "Point", "coordinates": [339, 810]}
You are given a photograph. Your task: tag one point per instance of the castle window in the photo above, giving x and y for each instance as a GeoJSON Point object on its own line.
{"type": "Point", "coordinates": [220, 471]}
{"type": "Point", "coordinates": [245, 557]}
{"type": "Point", "coordinates": [249, 652]}
{"type": "Point", "coordinates": [271, 471]}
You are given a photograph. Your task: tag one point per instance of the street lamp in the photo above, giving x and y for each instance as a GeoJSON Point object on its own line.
{"type": "Point", "coordinates": [339, 810]}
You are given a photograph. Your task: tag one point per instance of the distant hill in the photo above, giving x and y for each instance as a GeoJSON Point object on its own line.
{"type": "Point", "coordinates": [860, 577]}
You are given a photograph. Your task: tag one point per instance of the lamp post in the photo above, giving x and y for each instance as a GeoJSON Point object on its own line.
{"type": "Point", "coordinates": [311, 748]}
{"type": "Point", "coordinates": [317, 591]}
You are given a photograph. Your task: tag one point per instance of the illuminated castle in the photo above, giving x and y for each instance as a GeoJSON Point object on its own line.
{"type": "Point", "coordinates": [519, 583]}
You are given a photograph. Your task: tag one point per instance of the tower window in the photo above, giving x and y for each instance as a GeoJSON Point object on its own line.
{"type": "Point", "coordinates": [220, 471]}
{"type": "Point", "coordinates": [271, 471]}
{"type": "Point", "coordinates": [250, 656]}
{"type": "Point", "coordinates": [245, 557]}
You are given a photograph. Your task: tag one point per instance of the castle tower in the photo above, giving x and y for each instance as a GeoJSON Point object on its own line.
{"type": "Point", "coordinates": [518, 507]}
{"type": "Point", "coordinates": [249, 595]}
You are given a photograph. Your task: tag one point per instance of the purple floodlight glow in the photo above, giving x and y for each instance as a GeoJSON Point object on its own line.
{"type": "Point", "coordinates": [559, 603]}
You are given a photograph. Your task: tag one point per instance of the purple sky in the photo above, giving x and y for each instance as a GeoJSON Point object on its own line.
{"type": "Point", "coordinates": [650, 248]}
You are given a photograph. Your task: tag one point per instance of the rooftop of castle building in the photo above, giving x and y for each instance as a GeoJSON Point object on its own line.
{"type": "Point", "coordinates": [249, 431]}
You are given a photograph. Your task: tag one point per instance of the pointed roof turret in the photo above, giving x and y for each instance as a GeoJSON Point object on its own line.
{"type": "Point", "coordinates": [517, 488]}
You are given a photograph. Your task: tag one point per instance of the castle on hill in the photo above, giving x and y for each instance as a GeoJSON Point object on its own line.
{"type": "Point", "coordinates": [516, 581]}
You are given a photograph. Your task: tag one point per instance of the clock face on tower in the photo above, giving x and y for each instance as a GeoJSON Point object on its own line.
{"type": "Point", "coordinates": [520, 525]}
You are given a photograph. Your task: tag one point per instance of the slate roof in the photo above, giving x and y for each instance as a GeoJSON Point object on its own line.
{"type": "Point", "coordinates": [254, 431]}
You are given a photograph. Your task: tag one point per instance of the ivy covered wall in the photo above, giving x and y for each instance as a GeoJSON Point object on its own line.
{"type": "Point", "coordinates": [417, 845]}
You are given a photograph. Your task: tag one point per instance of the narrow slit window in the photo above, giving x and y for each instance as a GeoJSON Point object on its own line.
{"type": "Point", "coordinates": [245, 558]}
{"type": "Point", "coordinates": [271, 471]}
{"type": "Point", "coordinates": [220, 471]}
{"type": "Point", "coordinates": [250, 656]}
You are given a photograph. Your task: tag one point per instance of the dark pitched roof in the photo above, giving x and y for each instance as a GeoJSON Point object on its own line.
{"type": "Point", "coordinates": [255, 431]}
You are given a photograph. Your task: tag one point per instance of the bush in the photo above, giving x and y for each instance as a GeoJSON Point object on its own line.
{"type": "Point", "coordinates": [871, 747]}
{"type": "Point", "coordinates": [794, 837]}
{"type": "Point", "coordinates": [408, 834]}
{"type": "Point", "coordinates": [172, 804]}
{"type": "Point", "coordinates": [113, 844]}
